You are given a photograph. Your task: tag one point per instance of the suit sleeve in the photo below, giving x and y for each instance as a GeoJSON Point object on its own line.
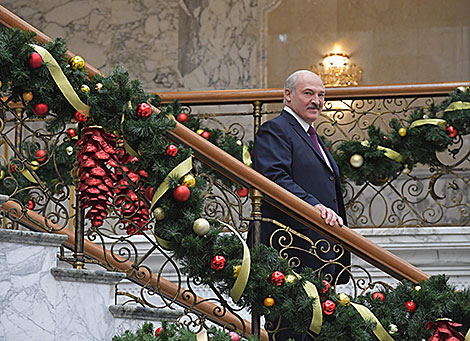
{"type": "Point", "coordinates": [272, 157]}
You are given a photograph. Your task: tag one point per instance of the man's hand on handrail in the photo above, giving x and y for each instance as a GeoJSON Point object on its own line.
{"type": "Point", "coordinates": [329, 215]}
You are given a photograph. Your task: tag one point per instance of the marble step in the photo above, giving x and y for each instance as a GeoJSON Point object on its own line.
{"type": "Point", "coordinates": [40, 300]}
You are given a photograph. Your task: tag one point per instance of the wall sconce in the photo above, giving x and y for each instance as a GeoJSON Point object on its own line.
{"type": "Point", "coordinates": [335, 70]}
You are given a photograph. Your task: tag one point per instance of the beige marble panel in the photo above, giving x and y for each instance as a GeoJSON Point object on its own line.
{"type": "Point", "coordinates": [395, 41]}
{"type": "Point", "coordinates": [167, 44]}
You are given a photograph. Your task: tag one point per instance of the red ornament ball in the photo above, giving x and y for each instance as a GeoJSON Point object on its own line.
{"type": "Point", "coordinates": [35, 60]}
{"type": "Point", "coordinates": [144, 110]}
{"type": "Point", "coordinates": [242, 192]}
{"type": "Point", "coordinates": [410, 306]}
{"type": "Point", "coordinates": [79, 117]}
{"type": "Point", "coordinates": [328, 307]}
{"type": "Point", "coordinates": [40, 109]}
{"type": "Point", "coordinates": [234, 336]}
{"type": "Point", "coordinates": [451, 131]}
{"type": "Point", "coordinates": [40, 155]}
{"type": "Point", "coordinates": [378, 296]}
{"type": "Point", "coordinates": [181, 193]}
{"type": "Point", "coordinates": [277, 278]}
{"type": "Point", "coordinates": [182, 118]}
{"type": "Point", "coordinates": [30, 204]}
{"type": "Point", "coordinates": [72, 132]}
{"type": "Point", "coordinates": [206, 134]}
{"type": "Point", "coordinates": [218, 263]}
{"type": "Point", "coordinates": [171, 150]}
{"type": "Point", "coordinates": [327, 286]}
{"type": "Point", "coordinates": [158, 331]}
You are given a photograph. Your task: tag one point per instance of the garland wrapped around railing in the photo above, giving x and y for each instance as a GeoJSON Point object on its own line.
{"type": "Point", "coordinates": [428, 131]}
{"type": "Point", "coordinates": [204, 252]}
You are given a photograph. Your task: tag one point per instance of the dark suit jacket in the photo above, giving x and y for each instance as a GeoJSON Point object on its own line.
{"type": "Point", "coordinates": [284, 153]}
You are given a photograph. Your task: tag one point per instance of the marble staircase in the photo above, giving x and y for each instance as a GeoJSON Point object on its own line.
{"type": "Point", "coordinates": [43, 300]}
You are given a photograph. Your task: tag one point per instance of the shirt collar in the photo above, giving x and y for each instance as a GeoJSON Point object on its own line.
{"type": "Point", "coordinates": [299, 119]}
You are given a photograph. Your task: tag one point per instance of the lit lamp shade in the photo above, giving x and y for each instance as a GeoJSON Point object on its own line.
{"type": "Point", "coordinates": [336, 60]}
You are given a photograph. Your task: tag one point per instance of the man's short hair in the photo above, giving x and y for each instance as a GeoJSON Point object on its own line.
{"type": "Point", "coordinates": [291, 82]}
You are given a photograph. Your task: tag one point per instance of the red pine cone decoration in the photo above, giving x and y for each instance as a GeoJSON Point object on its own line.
{"type": "Point", "coordinates": [97, 152]}
{"type": "Point", "coordinates": [135, 212]}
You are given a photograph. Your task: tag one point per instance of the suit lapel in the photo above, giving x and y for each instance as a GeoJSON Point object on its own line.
{"type": "Point", "coordinates": [301, 132]}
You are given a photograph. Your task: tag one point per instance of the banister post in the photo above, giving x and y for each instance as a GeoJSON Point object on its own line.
{"type": "Point", "coordinates": [256, 197]}
{"type": "Point", "coordinates": [257, 115]}
{"type": "Point", "coordinates": [79, 257]}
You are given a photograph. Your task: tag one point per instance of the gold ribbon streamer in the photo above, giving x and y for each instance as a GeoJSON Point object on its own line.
{"type": "Point", "coordinates": [166, 244]}
{"type": "Point", "coordinates": [434, 121]}
{"type": "Point", "coordinates": [246, 156]}
{"type": "Point", "coordinates": [367, 315]}
{"type": "Point", "coordinates": [62, 81]}
{"type": "Point", "coordinates": [467, 337]}
{"type": "Point", "coordinates": [29, 176]}
{"type": "Point", "coordinates": [182, 169]}
{"type": "Point", "coordinates": [458, 106]}
{"type": "Point", "coordinates": [240, 284]}
{"type": "Point", "coordinates": [317, 315]}
{"type": "Point", "coordinates": [390, 153]}
{"type": "Point", "coordinates": [202, 335]}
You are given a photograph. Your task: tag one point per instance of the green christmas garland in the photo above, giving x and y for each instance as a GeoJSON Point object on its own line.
{"type": "Point", "coordinates": [114, 101]}
{"type": "Point", "coordinates": [428, 131]}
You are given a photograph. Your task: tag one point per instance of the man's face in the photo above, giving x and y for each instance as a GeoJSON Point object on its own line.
{"type": "Point", "coordinates": [309, 96]}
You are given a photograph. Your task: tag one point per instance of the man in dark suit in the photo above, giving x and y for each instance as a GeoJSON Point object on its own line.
{"type": "Point", "coordinates": [288, 151]}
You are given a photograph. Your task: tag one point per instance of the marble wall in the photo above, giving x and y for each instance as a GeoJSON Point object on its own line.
{"type": "Point", "coordinates": [214, 44]}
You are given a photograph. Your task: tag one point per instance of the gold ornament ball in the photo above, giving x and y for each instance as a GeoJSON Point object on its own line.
{"type": "Point", "coordinates": [27, 96]}
{"type": "Point", "coordinates": [98, 86]}
{"type": "Point", "coordinates": [290, 278]}
{"type": "Point", "coordinates": [240, 143]}
{"type": "Point", "coordinates": [1, 84]}
{"type": "Point", "coordinates": [392, 329]}
{"type": "Point", "coordinates": [417, 288]}
{"type": "Point", "coordinates": [268, 302]}
{"type": "Point", "coordinates": [77, 62]}
{"type": "Point", "coordinates": [85, 88]}
{"type": "Point", "coordinates": [2, 174]}
{"type": "Point", "coordinates": [236, 270]}
{"type": "Point", "coordinates": [402, 132]}
{"type": "Point", "coordinates": [344, 299]}
{"type": "Point", "coordinates": [189, 181]}
{"type": "Point", "coordinates": [356, 160]}
{"type": "Point", "coordinates": [159, 213]}
{"type": "Point", "coordinates": [199, 131]}
{"type": "Point", "coordinates": [201, 226]}
{"type": "Point", "coordinates": [69, 150]}
{"type": "Point", "coordinates": [34, 165]}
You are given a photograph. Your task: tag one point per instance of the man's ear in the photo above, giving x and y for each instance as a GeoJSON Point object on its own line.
{"type": "Point", "coordinates": [288, 96]}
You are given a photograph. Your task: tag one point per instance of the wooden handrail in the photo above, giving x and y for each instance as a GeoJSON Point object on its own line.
{"type": "Point", "coordinates": [242, 96]}
{"type": "Point", "coordinates": [36, 222]}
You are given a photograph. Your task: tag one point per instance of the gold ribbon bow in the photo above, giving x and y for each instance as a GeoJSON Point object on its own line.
{"type": "Point", "coordinates": [458, 106]}
{"type": "Point", "coordinates": [434, 121]}
{"type": "Point", "coordinates": [367, 315]}
{"type": "Point", "coordinates": [242, 279]}
{"type": "Point", "coordinates": [62, 81]}
{"type": "Point", "coordinates": [317, 315]}
{"type": "Point", "coordinates": [390, 153]}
